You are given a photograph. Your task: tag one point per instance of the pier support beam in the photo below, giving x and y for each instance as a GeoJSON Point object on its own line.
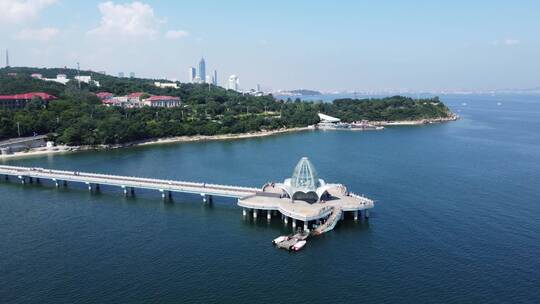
{"type": "Point", "coordinates": [207, 198]}
{"type": "Point", "coordinates": [89, 186]}
{"type": "Point", "coordinates": [125, 190]}
{"type": "Point", "coordinates": [293, 224]}
{"type": "Point", "coordinates": [132, 191]}
{"type": "Point", "coordinates": [244, 212]}
{"type": "Point", "coordinates": [356, 215]}
{"type": "Point", "coordinates": [22, 179]}
{"type": "Point", "coordinates": [65, 183]}
{"type": "Point", "coordinates": [255, 213]}
{"type": "Point", "coordinates": [286, 220]}
{"type": "Point", "coordinates": [306, 226]}
{"type": "Point", "coordinates": [269, 215]}
{"type": "Point", "coordinates": [366, 213]}
{"type": "Point", "coordinates": [56, 184]}
{"type": "Point", "coordinates": [165, 194]}
{"type": "Point", "coordinates": [342, 215]}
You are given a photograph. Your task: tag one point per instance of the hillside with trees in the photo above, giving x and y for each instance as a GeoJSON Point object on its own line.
{"type": "Point", "coordinates": [79, 118]}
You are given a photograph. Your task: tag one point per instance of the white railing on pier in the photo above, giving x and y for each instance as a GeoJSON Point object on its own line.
{"type": "Point", "coordinates": [130, 181]}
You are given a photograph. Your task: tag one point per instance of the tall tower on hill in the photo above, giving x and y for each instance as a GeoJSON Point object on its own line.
{"type": "Point", "coordinates": [7, 58]}
{"type": "Point", "coordinates": [202, 70]}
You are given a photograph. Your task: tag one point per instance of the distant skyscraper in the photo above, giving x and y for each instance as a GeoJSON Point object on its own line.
{"type": "Point", "coordinates": [7, 58]}
{"type": "Point", "coordinates": [233, 82]}
{"type": "Point", "coordinates": [192, 74]}
{"type": "Point", "coordinates": [121, 74]}
{"type": "Point", "coordinates": [214, 79]}
{"type": "Point", "coordinates": [131, 75]}
{"type": "Point", "coordinates": [202, 70]}
{"type": "Point", "coordinates": [258, 87]}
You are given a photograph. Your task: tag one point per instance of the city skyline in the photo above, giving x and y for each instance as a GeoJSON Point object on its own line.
{"type": "Point", "coordinates": [358, 46]}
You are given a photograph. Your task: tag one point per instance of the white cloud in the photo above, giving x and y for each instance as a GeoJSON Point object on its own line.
{"type": "Point", "coordinates": [43, 34]}
{"type": "Point", "coordinates": [511, 42]}
{"type": "Point", "coordinates": [17, 11]}
{"type": "Point", "coordinates": [172, 34]}
{"type": "Point", "coordinates": [507, 42]}
{"type": "Point", "coordinates": [134, 19]}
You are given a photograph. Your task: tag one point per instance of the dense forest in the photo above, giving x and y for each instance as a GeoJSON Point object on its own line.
{"type": "Point", "coordinates": [78, 117]}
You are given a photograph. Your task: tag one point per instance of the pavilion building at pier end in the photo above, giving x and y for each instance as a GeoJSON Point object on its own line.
{"type": "Point", "coordinates": [307, 198]}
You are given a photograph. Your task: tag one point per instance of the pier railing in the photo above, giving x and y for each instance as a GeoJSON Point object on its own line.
{"type": "Point", "coordinates": [128, 181]}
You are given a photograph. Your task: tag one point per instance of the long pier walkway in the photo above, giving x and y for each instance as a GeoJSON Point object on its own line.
{"type": "Point", "coordinates": [293, 199]}
{"type": "Point", "coordinates": [127, 183]}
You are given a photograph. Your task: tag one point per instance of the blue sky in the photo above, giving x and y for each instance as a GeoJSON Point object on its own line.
{"type": "Point", "coordinates": [327, 45]}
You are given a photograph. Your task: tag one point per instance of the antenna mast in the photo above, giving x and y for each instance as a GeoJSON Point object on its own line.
{"type": "Point", "coordinates": [79, 75]}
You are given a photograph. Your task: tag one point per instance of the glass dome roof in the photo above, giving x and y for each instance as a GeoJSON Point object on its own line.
{"type": "Point", "coordinates": [304, 176]}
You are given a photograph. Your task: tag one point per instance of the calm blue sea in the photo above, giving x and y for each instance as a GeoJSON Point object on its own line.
{"type": "Point", "coordinates": [457, 220]}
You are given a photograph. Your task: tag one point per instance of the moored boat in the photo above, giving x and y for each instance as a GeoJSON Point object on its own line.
{"type": "Point", "coordinates": [280, 239]}
{"type": "Point", "coordinates": [298, 245]}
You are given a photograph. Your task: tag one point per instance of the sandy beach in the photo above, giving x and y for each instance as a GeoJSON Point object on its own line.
{"type": "Point", "coordinates": [169, 140]}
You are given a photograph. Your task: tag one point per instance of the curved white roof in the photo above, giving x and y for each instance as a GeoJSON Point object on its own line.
{"type": "Point", "coordinates": [326, 118]}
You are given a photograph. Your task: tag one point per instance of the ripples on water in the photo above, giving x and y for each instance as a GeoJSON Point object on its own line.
{"type": "Point", "coordinates": [456, 220]}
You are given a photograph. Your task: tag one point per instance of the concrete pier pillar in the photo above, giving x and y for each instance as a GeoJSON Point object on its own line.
{"type": "Point", "coordinates": [124, 189]}
{"type": "Point", "coordinates": [294, 224]}
{"type": "Point", "coordinates": [65, 183]}
{"type": "Point", "coordinates": [207, 198]}
{"type": "Point", "coordinates": [244, 212]}
{"type": "Point", "coordinates": [306, 226]}
{"type": "Point", "coordinates": [6, 177]}
{"type": "Point", "coordinates": [97, 188]}
{"type": "Point", "coordinates": [269, 215]}
{"type": "Point", "coordinates": [162, 194]}
{"type": "Point", "coordinates": [38, 181]}
{"type": "Point", "coordinates": [31, 180]}
{"type": "Point", "coordinates": [254, 213]}
{"type": "Point", "coordinates": [56, 184]}
{"type": "Point", "coordinates": [366, 213]}
{"type": "Point", "coordinates": [342, 215]}
{"type": "Point", "coordinates": [89, 187]}
{"type": "Point", "coordinates": [356, 215]}
{"type": "Point", "coordinates": [286, 220]}
{"type": "Point", "coordinates": [132, 191]}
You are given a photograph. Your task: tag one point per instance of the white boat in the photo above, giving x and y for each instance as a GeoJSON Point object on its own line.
{"type": "Point", "coordinates": [280, 239]}
{"type": "Point", "coordinates": [298, 245]}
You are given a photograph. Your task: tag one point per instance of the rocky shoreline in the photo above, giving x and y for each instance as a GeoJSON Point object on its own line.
{"type": "Point", "coordinates": [69, 149]}
{"type": "Point", "coordinates": [168, 140]}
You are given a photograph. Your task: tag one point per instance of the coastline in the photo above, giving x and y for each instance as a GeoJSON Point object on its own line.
{"type": "Point", "coordinates": [452, 117]}
{"type": "Point", "coordinates": [63, 149]}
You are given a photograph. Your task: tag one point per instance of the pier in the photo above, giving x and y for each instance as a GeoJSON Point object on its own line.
{"type": "Point", "coordinates": [304, 200]}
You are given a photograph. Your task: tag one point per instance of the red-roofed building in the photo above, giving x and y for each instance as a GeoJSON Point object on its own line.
{"type": "Point", "coordinates": [135, 98]}
{"type": "Point", "coordinates": [104, 96]}
{"type": "Point", "coordinates": [163, 101]}
{"type": "Point", "coordinates": [21, 100]}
